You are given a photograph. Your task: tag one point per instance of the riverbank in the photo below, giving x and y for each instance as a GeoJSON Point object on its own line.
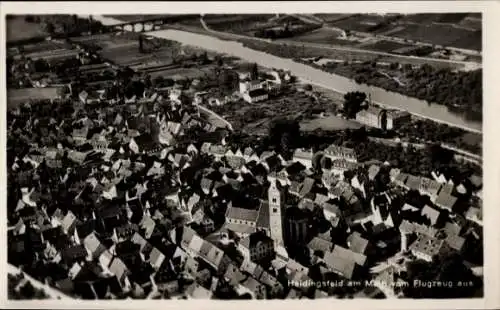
{"type": "Point", "coordinates": [437, 113]}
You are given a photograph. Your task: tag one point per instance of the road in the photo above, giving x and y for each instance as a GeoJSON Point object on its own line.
{"type": "Point", "coordinates": [52, 292]}
{"type": "Point", "coordinates": [212, 115]}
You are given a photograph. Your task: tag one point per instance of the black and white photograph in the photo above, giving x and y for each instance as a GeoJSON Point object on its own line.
{"type": "Point", "coordinates": [238, 156]}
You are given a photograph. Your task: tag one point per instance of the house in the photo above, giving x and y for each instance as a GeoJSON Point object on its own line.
{"type": "Point", "coordinates": [74, 254]}
{"type": "Point", "coordinates": [331, 211]}
{"type": "Point", "coordinates": [256, 95]}
{"type": "Point", "coordinates": [400, 179]}
{"type": "Point", "coordinates": [144, 144]}
{"type": "Point", "coordinates": [344, 262]}
{"type": "Point", "coordinates": [257, 246]}
{"type": "Point", "coordinates": [339, 166]}
{"type": "Point", "coordinates": [304, 157]}
{"type": "Point", "coordinates": [275, 287]}
{"type": "Point", "coordinates": [93, 246]}
{"type": "Point", "coordinates": [475, 215]}
{"type": "Point", "coordinates": [254, 287]}
{"type": "Point", "coordinates": [69, 223]}
{"type": "Point", "coordinates": [240, 220]}
{"type": "Point", "coordinates": [430, 188]}
{"type": "Point", "coordinates": [335, 152]}
{"type": "Point", "coordinates": [445, 201]}
{"type": "Point", "coordinates": [412, 183]}
{"type": "Point", "coordinates": [431, 214]}
{"type": "Point", "coordinates": [248, 86]}
{"type": "Point", "coordinates": [426, 247]}
{"type": "Point", "coordinates": [156, 258]}
{"type": "Point", "coordinates": [121, 271]}
{"type": "Point", "coordinates": [196, 291]}
{"type": "Point", "coordinates": [319, 246]}
{"type": "Point", "coordinates": [357, 243]}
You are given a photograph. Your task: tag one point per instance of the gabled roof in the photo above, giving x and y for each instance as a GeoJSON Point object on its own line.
{"type": "Point", "coordinates": [118, 268]}
{"type": "Point", "coordinates": [413, 182]}
{"type": "Point", "coordinates": [357, 243]}
{"type": "Point", "coordinates": [242, 214]}
{"type": "Point", "coordinates": [91, 242]}
{"type": "Point", "coordinates": [427, 245]}
{"type": "Point", "coordinates": [319, 244]}
{"type": "Point", "coordinates": [431, 213]}
{"type": "Point", "coordinates": [445, 200]}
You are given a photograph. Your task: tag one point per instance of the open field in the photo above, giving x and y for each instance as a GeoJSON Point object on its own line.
{"type": "Point", "coordinates": [361, 23]}
{"type": "Point", "coordinates": [331, 122]}
{"type": "Point", "coordinates": [329, 18]}
{"type": "Point", "coordinates": [321, 35]}
{"type": "Point", "coordinates": [438, 34]}
{"type": "Point", "coordinates": [16, 97]}
{"type": "Point", "coordinates": [18, 29]}
{"type": "Point", "coordinates": [123, 49]}
{"type": "Point", "coordinates": [178, 73]}
{"type": "Point", "coordinates": [386, 46]}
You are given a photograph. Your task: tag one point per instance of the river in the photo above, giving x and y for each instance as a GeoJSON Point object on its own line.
{"type": "Point", "coordinates": [438, 113]}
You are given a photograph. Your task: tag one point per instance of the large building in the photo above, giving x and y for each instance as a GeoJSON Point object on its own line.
{"type": "Point", "coordinates": [381, 118]}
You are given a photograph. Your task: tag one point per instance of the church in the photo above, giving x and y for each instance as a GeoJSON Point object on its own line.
{"type": "Point", "coordinates": [268, 217]}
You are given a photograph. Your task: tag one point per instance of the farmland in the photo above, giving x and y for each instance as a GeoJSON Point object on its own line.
{"type": "Point", "coordinates": [438, 34]}
{"type": "Point", "coordinates": [459, 30]}
{"type": "Point", "coordinates": [178, 73]}
{"type": "Point", "coordinates": [18, 29]}
{"type": "Point", "coordinates": [322, 35]}
{"type": "Point", "coordinates": [123, 49]}
{"type": "Point", "coordinates": [331, 122]}
{"type": "Point", "coordinates": [361, 23]}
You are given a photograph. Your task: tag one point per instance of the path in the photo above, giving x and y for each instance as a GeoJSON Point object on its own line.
{"type": "Point", "coordinates": [216, 116]}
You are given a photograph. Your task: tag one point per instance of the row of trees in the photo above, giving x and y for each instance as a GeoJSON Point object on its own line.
{"type": "Point", "coordinates": [285, 32]}
{"type": "Point", "coordinates": [441, 86]}
{"type": "Point", "coordinates": [67, 25]}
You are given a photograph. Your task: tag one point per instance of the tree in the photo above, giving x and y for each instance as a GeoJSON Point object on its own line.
{"type": "Point", "coordinates": [254, 71]}
{"type": "Point", "coordinates": [308, 87]}
{"type": "Point", "coordinates": [141, 44]}
{"type": "Point", "coordinates": [284, 133]}
{"type": "Point", "coordinates": [316, 162]}
{"type": "Point", "coordinates": [352, 103]}
{"type": "Point", "coordinates": [49, 27]}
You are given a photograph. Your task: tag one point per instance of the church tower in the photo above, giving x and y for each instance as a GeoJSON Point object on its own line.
{"type": "Point", "coordinates": [276, 199]}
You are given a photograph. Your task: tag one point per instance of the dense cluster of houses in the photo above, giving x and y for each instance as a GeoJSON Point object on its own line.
{"type": "Point", "coordinates": [117, 208]}
{"type": "Point", "coordinates": [113, 200]}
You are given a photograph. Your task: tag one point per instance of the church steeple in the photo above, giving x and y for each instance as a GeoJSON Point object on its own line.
{"type": "Point", "coordinates": [276, 199]}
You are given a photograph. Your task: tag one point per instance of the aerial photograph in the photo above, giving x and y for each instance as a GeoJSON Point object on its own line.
{"type": "Point", "coordinates": [244, 156]}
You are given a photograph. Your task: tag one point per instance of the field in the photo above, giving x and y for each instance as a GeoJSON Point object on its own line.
{"type": "Point", "coordinates": [178, 73]}
{"type": "Point", "coordinates": [386, 46]}
{"type": "Point", "coordinates": [123, 49]}
{"type": "Point", "coordinates": [323, 36]}
{"type": "Point", "coordinates": [18, 29]}
{"type": "Point", "coordinates": [16, 97]}
{"type": "Point", "coordinates": [331, 122]}
{"type": "Point", "coordinates": [361, 23]}
{"type": "Point", "coordinates": [438, 34]}
{"type": "Point", "coordinates": [329, 18]}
